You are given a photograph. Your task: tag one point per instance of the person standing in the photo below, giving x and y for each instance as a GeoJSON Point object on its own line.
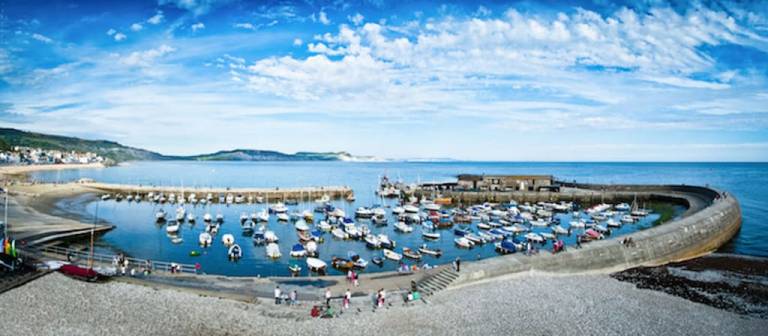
{"type": "Point", "coordinates": [458, 264]}
{"type": "Point", "coordinates": [327, 297]}
{"type": "Point", "coordinates": [347, 298]}
{"type": "Point", "coordinates": [355, 279]}
{"type": "Point", "coordinates": [277, 295]}
{"type": "Point", "coordinates": [383, 297]}
{"type": "Point", "coordinates": [293, 297]}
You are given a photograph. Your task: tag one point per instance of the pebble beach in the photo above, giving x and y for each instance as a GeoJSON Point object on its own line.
{"type": "Point", "coordinates": [531, 304]}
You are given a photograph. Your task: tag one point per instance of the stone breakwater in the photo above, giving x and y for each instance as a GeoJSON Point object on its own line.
{"type": "Point", "coordinates": [712, 219]}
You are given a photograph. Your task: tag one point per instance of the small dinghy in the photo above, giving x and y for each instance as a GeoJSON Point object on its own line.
{"type": "Point", "coordinates": [358, 262]}
{"type": "Point", "coordinates": [392, 255]}
{"type": "Point", "coordinates": [425, 250]}
{"type": "Point", "coordinates": [294, 268]}
{"type": "Point", "coordinates": [378, 261]}
{"type": "Point", "coordinates": [316, 265]}
{"type": "Point", "coordinates": [339, 233]}
{"type": "Point", "coordinates": [271, 237]}
{"type": "Point", "coordinates": [273, 251]}
{"type": "Point", "coordinates": [402, 227]}
{"type": "Point", "coordinates": [298, 251]}
{"type": "Point", "coordinates": [235, 252]}
{"type": "Point", "coordinates": [173, 227]}
{"type": "Point", "coordinates": [412, 254]}
{"type": "Point", "coordinates": [228, 239]}
{"type": "Point", "coordinates": [205, 239]}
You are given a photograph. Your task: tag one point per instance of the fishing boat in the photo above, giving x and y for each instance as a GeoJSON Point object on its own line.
{"type": "Point", "coordinates": [557, 229]}
{"type": "Point", "coordinates": [298, 251]}
{"type": "Point", "coordinates": [412, 254]}
{"type": "Point", "coordinates": [173, 227]}
{"type": "Point", "coordinates": [205, 239]}
{"type": "Point", "coordinates": [430, 235]}
{"type": "Point", "coordinates": [283, 217]}
{"type": "Point", "coordinates": [339, 233]}
{"type": "Point", "coordinates": [235, 252]}
{"type": "Point", "coordinates": [160, 216]}
{"type": "Point", "coordinates": [258, 238]}
{"type": "Point", "coordinates": [463, 242]}
{"type": "Point", "coordinates": [392, 255]}
{"type": "Point", "coordinates": [372, 242]}
{"type": "Point", "coordinates": [402, 227]}
{"type": "Point", "coordinates": [316, 265]}
{"type": "Point", "coordinates": [434, 252]}
{"type": "Point", "coordinates": [385, 242]}
{"type": "Point", "coordinates": [324, 226]}
{"type": "Point", "coordinates": [534, 237]}
{"type": "Point", "coordinates": [301, 225]}
{"type": "Point", "coordinates": [342, 264]}
{"type": "Point", "coordinates": [273, 251]}
{"type": "Point", "coordinates": [271, 237]}
{"type": "Point", "coordinates": [247, 225]}
{"type": "Point", "coordinates": [228, 239]}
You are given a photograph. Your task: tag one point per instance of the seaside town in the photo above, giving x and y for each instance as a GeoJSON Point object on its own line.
{"type": "Point", "coordinates": [19, 155]}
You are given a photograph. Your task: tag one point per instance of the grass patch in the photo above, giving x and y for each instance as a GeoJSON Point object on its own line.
{"type": "Point", "coordinates": [666, 212]}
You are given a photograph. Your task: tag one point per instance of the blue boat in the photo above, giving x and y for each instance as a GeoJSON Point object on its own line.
{"type": "Point", "coordinates": [258, 238]}
{"type": "Point", "coordinates": [461, 232]}
{"type": "Point", "coordinates": [506, 247]}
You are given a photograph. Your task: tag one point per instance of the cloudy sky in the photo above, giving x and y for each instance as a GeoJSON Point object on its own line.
{"type": "Point", "coordinates": [399, 79]}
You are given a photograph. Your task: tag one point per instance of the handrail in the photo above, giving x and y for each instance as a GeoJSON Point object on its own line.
{"type": "Point", "coordinates": [67, 253]}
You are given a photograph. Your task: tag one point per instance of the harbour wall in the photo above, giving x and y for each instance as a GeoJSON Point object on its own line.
{"type": "Point", "coordinates": [269, 194]}
{"type": "Point", "coordinates": [712, 220]}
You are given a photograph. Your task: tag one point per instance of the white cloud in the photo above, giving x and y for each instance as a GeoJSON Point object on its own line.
{"type": "Point", "coordinates": [41, 38]}
{"type": "Point", "coordinates": [157, 18]}
{"type": "Point", "coordinates": [357, 19]}
{"type": "Point", "coordinates": [111, 31]}
{"type": "Point", "coordinates": [147, 58]}
{"type": "Point", "coordinates": [136, 27]}
{"type": "Point", "coordinates": [323, 18]}
{"type": "Point", "coordinates": [120, 36]}
{"type": "Point", "coordinates": [297, 42]}
{"type": "Point", "coordinates": [198, 26]}
{"type": "Point", "coordinates": [245, 25]}
{"type": "Point", "coordinates": [687, 83]}
{"type": "Point", "coordinates": [196, 7]}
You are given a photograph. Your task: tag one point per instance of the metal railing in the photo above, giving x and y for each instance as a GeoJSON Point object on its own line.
{"type": "Point", "coordinates": [82, 257]}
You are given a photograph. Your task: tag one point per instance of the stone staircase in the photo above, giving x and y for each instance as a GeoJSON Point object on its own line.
{"type": "Point", "coordinates": [437, 282]}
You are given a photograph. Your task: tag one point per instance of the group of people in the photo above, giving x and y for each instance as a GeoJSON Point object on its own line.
{"type": "Point", "coordinates": [121, 264]}
{"type": "Point", "coordinates": [289, 298]}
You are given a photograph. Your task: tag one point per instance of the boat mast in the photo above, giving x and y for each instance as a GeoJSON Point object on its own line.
{"type": "Point", "coordinates": [5, 218]}
{"type": "Point", "coordinates": [93, 229]}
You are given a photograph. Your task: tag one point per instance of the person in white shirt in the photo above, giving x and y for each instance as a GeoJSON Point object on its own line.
{"type": "Point", "coordinates": [277, 295]}
{"type": "Point", "coordinates": [347, 298]}
{"type": "Point", "coordinates": [327, 297]}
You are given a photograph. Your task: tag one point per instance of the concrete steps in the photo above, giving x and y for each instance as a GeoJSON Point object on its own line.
{"type": "Point", "coordinates": [437, 282]}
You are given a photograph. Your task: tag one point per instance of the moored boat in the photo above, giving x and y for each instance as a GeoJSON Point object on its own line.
{"type": "Point", "coordinates": [412, 254]}
{"type": "Point", "coordinates": [392, 255]}
{"type": "Point", "coordinates": [426, 250]}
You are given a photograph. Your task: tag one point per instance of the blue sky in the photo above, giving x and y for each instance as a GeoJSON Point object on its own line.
{"type": "Point", "coordinates": [541, 81]}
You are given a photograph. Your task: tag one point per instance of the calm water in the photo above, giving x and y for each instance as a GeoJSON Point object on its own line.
{"type": "Point", "coordinates": [137, 234]}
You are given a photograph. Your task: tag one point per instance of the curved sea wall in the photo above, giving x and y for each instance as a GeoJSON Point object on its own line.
{"type": "Point", "coordinates": [712, 220]}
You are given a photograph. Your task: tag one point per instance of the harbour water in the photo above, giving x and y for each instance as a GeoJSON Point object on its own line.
{"type": "Point", "coordinates": [138, 235]}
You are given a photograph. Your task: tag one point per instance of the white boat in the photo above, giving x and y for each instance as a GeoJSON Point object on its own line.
{"type": "Point", "coordinates": [410, 208]}
{"type": "Point", "coordinates": [160, 215]}
{"type": "Point", "coordinates": [627, 219]}
{"type": "Point", "coordinates": [612, 223]}
{"type": "Point", "coordinates": [207, 217]}
{"type": "Point", "coordinates": [622, 207]}
{"type": "Point", "coordinates": [557, 229]}
{"type": "Point", "coordinates": [534, 237]}
{"type": "Point", "coordinates": [205, 239]}
{"type": "Point", "coordinates": [363, 212]}
{"type": "Point", "coordinates": [392, 255]}
{"type": "Point", "coordinates": [540, 223]}
{"type": "Point", "coordinates": [177, 240]}
{"type": "Point", "coordinates": [474, 238]}
{"type": "Point", "coordinates": [430, 235]}
{"type": "Point", "coordinates": [379, 212]}
{"type": "Point", "coordinates": [351, 230]}
{"type": "Point", "coordinates": [235, 252]}
{"type": "Point", "coordinates": [432, 206]}
{"type": "Point", "coordinates": [484, 226]}
{"type": "Point", "coordinates": [371, 241]}
{"type": "Point", "coordinates": [311, 248]}
{"type": "Point", "coordinates": [302, 226]}
{"type": "Point", "coordinates": [228, 239]}
{"type": "Point", "coordinates": [339, 233]}
{"type": "Point", "coordinates": [398, 210]}
{"type": "Point", "coordinates": [401, 226]}
{"type": "Point", "coordinates": [191, 217]}
{"type": "Point", "coordinates": [173, 227]}
{"type": "Point", "coordinates": [385, 241]}
{"type": "Point", "coordinates": [247, 225]}
{"type": "Point", "coordinates": [307, 215]}
{"type": "Point", "coordinates": [547, 235]}
{"type": "Point", "coordinates": [577, 224]}
{"type": "Point", "coordinates": [463, 242]}
{"type": "Point", "coordinates": [324, 226]}
{"type": "Point", "coordinates": [283, 217]}
{"type": "Point", "coordinates": [262, 216]}
{"type": "Point", "coordinates": [279, 207]}
{"type": "Point", "coordinates": [271, 237]}
{"type": "Point", "coordinates": [273, 251]}
{"type": "Point", "coordinates": [315, 264]}
{"type": "Point", "coordinates": [243, 217]}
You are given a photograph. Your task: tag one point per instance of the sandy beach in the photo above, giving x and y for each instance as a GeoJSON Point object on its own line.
{"type": "Point", "coordinates": [23, 169]}
{"type": "Point", "coordinates": [537, 305]}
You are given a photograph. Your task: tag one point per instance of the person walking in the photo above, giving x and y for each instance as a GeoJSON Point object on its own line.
{"type": "Point", "coordinates": [458, 264]}
{"type": "Point", "coordinates": [347, 298]}
{"type": "Point", "coordinates": [355, 280]}
{"type": "Point", "coordinates": [277, 294]}
{"type": "Point", "coordinates": [327, 297]}
{"type": "Point", "coordinates": [294, 296]}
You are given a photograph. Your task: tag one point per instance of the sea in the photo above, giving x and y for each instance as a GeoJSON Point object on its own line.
{"type": "Point", "coordinates": [137, 234]}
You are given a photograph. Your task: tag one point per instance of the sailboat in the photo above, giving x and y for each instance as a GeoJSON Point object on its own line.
{"type": "Point", "coordinates": [80, 272]}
